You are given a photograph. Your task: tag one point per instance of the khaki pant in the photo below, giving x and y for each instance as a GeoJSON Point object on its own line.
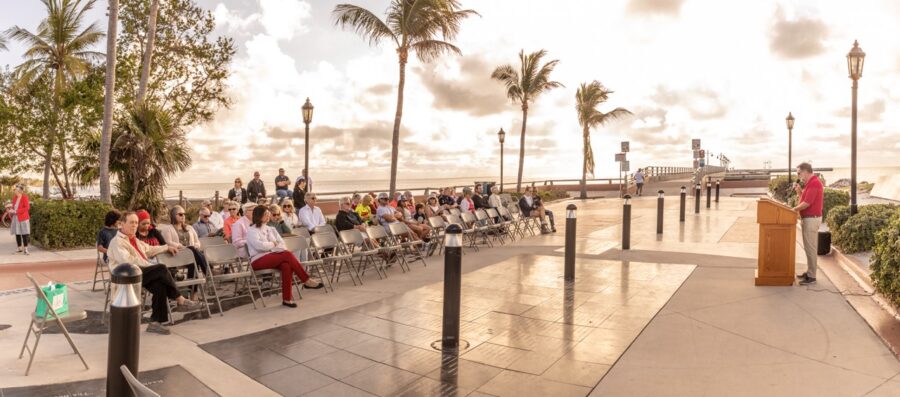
{"type": "Point", "coordinates": [809, 227]}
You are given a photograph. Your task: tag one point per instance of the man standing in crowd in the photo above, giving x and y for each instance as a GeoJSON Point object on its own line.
{"type": "Point", "coordinates": [810, 208]}
{"type": "Point", "coordinates": [238, 193]}
{"type": "Point", "coordinates": [256, 189]}
{"type": "Point", "coordinates": [282, 185]}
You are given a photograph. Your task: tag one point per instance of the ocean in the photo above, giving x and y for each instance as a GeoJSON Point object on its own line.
{"type": "Point", "coordinates": [863, 174]}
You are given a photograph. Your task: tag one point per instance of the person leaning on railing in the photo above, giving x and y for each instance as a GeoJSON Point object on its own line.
{"type": "Point", "coordinates": [127, 248]}
{"type": "Point", "coordinates": [267, 251]}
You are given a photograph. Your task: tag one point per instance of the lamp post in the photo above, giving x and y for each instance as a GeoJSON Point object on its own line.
{"type": "Point", "coordinates": [789, 120]}
{"type": "Point", "coordinates": [502, 137]}
{"type": "Point", "coordinates": [307, 118]}
{"type": "Point", "coordinates": [855, 59]}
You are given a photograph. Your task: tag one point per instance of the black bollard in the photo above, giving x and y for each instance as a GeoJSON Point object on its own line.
{"type": "Point", "coordinates": [683, 197]}
{"type": "Point", "coordinates": [717, 191]}
{"type": "Point", "coordinates": [659, 212]}
{"type": "Point", "coordinates": [697, 198]}
{"type": "Point", "coordinates": [452, 281]}
{"type": "Point", "coordinates": [124, 329]}
{"type": "Point", "coordinates": [626, 223]}
{"type": "Point", "coordinates": [570, 242]}
{"type": "Point", "coordinates": [708, 193]}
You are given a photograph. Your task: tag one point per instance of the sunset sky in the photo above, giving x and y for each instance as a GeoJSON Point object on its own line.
{"type": "Point", "coordinates": [727, 72]}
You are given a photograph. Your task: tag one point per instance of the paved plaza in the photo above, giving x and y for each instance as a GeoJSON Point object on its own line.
{"type": "Point", "coordinates": [676, 315]}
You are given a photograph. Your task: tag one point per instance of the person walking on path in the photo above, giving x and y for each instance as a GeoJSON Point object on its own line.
{"type": "Point", "coordinates": [21, 225]}
{"type": "Point", "coordinates": [810, 208]}
{"type": "Point", "coordinates": [639, 181]}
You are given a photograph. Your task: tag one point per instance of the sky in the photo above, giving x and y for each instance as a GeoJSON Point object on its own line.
{"type": "Point", "coordinates": [725, 72]}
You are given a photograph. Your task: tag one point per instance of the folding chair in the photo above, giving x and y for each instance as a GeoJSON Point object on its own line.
{"type": "Point", "coordinates": [466, 230]}
{"type": "Point", "coordinates": [411, 245]}
{"type": "Point", "coordinates": [472, 222]}
{"type": "Point", "coordinates": [211, 241]}
{"type": "Point", "coordinates": [512, 228]}
{"type": "Point", "coordinates": [388, 244]}
{"type": "Point", "coordinates": [522, 222]}
{"type": "Point", "coordinates": [182, 262]}
{"type": "Point", "coordinates": [324, 229]}
{"type": "Point", "coordinates": [50, 319]}
{"type": "Point", "coordinates": [366, 253]}
{"type": "Point", "coordinates": [437, 232]}
{"type": "Point", "coordinates": [136, 386]}
{"type": "Point", "coordinates": [299, 246]}
{"type": "Point", "coordinates": [455, 211]}
{"type": "Point", "coordinates": [226, 257]}
{"type": "Point", "coordinates": [487, 222]}
{"type": "Point", "coordinates": [503, 225]}
{"type": "Point", "coordinates": [334, 255]}
{"type": "Point", "coordinates": [302, 231]}
{"type": "Point", "coordinates": [101, 272]}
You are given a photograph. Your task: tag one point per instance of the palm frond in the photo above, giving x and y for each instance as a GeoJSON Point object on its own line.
{"type": "Point", "coordinates": [428, 50]}
{"type": "Point", "coordinates": [3, 42]}
{"type": "Point", "coordinates": [363, 22]}
{"type": "Point", "coordinates": [507, 75]}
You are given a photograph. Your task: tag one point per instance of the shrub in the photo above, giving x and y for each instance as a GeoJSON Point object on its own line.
{"type": "Point", "coordinates": [885, 262]}
{"type": "Point", "coordinates": [67, 223]}
{"type": "Point", "coordinates": [781, 190]}
{"type": "Point", "coordinates": [832, 199]}
{"type": "Point", "coordinates": [858, 232]}
{"type": "Point", "coordinates": [837, 216]}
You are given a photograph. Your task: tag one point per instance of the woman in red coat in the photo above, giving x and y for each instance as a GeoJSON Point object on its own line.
{"type": "Point", "coordinates": [21, 227]}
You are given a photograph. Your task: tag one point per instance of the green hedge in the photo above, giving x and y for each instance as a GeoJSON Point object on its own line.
{"type": "Point", "coordinates": [781, 190]}
{"type": "Point", "coordinates": [834, 198]}
{"type": "Point", "coordinates": [59, 224]}
{"type": "Point", "coordinates": [858, 232]}
{"type": "Point", "coordinates": [885, 262]}
{"type": "Point", "coordinates": [837, 217]}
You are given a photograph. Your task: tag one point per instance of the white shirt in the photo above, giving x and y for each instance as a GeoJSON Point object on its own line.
{"type": "Point", "coordinates": [239, 235]}
{"type": "Point", "coordinates": [290, 219]}
{"type": "Point", "coordinates": [263, 240]}
{"type": "Point", "coordinates": [495, 201]}
{"type": "Point", "coordinates": [216, 220]}
{"type": "Point", "coordinates": [465, 205]}
{"type": "Point", "coordinates": [530, 201]}
{"type": "Point", "coordinates": [310, 218]}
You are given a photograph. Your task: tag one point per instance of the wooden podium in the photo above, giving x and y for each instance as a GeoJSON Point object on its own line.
{"type": "Point", "coordinates": [777, 243]}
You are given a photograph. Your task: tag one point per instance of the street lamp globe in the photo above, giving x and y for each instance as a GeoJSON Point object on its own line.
{"type": "Point", "coordinates": [501, 135]}
{"type": "Point", "coordinates": [855, 59]}
{"type": "Point", "coordinates": [307, 112]}
{"type": "Point", "coordinates": [790, 121]}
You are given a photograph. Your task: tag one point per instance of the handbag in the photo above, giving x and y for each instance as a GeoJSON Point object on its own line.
{"type": "Point", "coordinates": [58, 296]}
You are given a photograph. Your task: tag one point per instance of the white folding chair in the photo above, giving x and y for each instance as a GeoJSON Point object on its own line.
{"type": "Point", "coordinates": [437, 232]}
{"type": "Point", "coordinates": [408, 241]}
{"type": "Point", "coordinates": [136, 386]}
{"type": "Point", "coordinates": [388, 245]}
{"type": "Point", "coordinates": [472, 222]}
{"type": "Point", "coordinates": [101, 273]}
{"type": "Point", "coordinates": [211, 241]}
{"type": "Point", "coordinates": [367, 255]}
{"type": "Point", "coordinates": [333, 254]}
{"type": "Point", "coordinates": [50, 319]}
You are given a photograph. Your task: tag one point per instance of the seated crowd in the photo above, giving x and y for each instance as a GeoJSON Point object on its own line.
{"type": "Point", "coordinates": [256, 231]}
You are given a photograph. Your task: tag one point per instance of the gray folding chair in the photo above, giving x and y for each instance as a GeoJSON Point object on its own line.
{"type": "Point", "coordinates": [487, 222]}
{"type": "Point", "coordinates": [455, 211]}
{"type": "Point", "coordinates": [468, 232]}
{"type": "Point", "coordinates": [509, 221]}
{"type": "Point", "coordinates": [333, 255]}
{"type": "Point", "coordinates": [300, 247]}
{"type": "Point", "coordinates": [136, 386]}
{"type": "Point", "coordinates": [437, 232]}
{"type": "Point", "coordinates": [408, 241]}
{"type": "Point", "coordinates": [366, 254]}
{"type": "Point", "coordinates": [502, 225]}
{"type": "Point", "coordinates": [211, 241]}
{"type": "Point", "coordinates": [324, 229]}
{"type": "Point", "coordinates": [387, 244]}
{"type": "Point", "coordinates": [225, 257]}
{"type": "Point", "coordinates": [101, 273]}
{"type": "Point", "coordinates": [472, 223]}
{"type": "Point", "coordinates": [302, 231]}
{"type": "Point", "coordinates": [50, 319]}
{"type": "Point", "coordinates": [183, 263]}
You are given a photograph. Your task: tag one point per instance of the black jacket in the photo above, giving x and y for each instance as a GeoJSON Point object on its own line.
{"type": "Point", "coordinates": [244, 196]}
{"type": "Point", "coordinates": [257, 189]}
{"type": "Point", "coordinates": [299, 197]}
{"type": "Point", "coordinates": [346, 220]}
{"type": "Point", "coordinates": [478, 201]}
{"type": "Point", "coordinates": [526, 209]}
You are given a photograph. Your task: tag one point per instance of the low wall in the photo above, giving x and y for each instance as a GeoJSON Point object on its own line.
{"type": "Point", "coordinates": [887, 187]}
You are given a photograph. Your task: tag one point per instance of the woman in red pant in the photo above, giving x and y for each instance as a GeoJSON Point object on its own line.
{"type": "Point", "coordinates": [267, 252]}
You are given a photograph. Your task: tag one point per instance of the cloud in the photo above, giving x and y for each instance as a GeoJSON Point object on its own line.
{"type": "Point", "coordinates": [797, 39]}
{"type": "Point", "coordinates": [869, 113]}
{"type": "Point", "coordinates": [655, 7]}
{"type": "Point", "coordinates": [701, 103]}
{"type": "Point", "coordinates": [280, 19]}
{"type": "Point", "coordinates": [472, 91]}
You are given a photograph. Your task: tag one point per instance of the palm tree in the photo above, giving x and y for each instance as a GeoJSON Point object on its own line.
{"type": "Point", "coordinates": [524, 86]}
{"type": "Point", "coordinates": [587, 98]}
{"type": "Point", "coordinates": [105, 134]}
{"type": "Point", "coordinates": [421, 26]}
{"type": "Point", "coordinates": [148, 51]}
{"type": "Point", "coordinates": [62, 50]}
{"type": "Point", "coordinates": [2, 43]}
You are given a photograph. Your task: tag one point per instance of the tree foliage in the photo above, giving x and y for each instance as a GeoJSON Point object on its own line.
{"type": "Point", "coordinates": [189, 69]}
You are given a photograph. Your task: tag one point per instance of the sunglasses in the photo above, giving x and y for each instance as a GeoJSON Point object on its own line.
{"type": "Point", "coordinates": [232, 209]}
{"type": "Point", "coordinates": [204, 216]}
{"type": "Point", "coordinates": [288, 206]}
{"type": "Point", "coordinates": [312, 198]}
{"type": "Point", "coordinates": [180, 214]}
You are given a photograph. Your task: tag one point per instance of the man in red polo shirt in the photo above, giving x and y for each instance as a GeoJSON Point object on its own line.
{"type": "Point", "coordinates": [810, 208]}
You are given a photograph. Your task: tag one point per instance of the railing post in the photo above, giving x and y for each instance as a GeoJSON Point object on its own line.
{"type": "Point", "coordinates": [717, 191]}
{"type": "Point", "coordinates": [681, 210]}
{"type": "Point", "coordinates": [124, 329]}
{"type": "Point", "coordinates": [452, 284]}
{"type": "Point", "coordinates": [570, 242]}
{"type": "Point", "coordinates": [659, 212]}
{"type": "Point", "coordinates": [181, 198]}
{"type": "Point", "coordinates": [626, 223]}
{"type": "Point", "coordinates": [708, 193]}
